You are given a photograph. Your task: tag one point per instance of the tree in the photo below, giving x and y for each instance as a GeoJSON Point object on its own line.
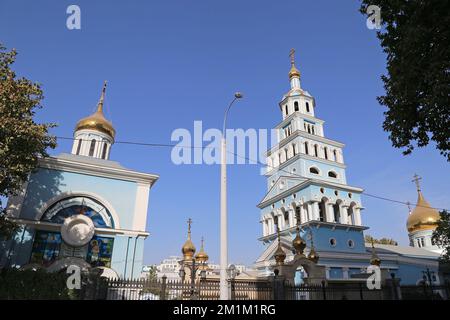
{"type": "Point", "coordinates": [441, 235]}
{"type": "Point", "coordinates": [388, 241]}
{"type": "Point", "coordinates": [416, 38]}
{"type": "Point", "coordinates": [22, 140]}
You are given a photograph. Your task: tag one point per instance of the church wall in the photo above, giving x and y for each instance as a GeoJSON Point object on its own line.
{"type": "Point", "coordinates": [323, 235]}
{"type": "Point", "coordinates": [128, 251]}
{"type": "Point", "coordinates": [412, 274]}
{"type": "Point", "coordinates": [46, 184]}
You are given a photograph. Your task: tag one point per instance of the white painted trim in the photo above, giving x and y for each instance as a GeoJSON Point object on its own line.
{"type": "Point", "coordinates": [141, 206]}
{"type": "Point", "coordinates": [42, 225]}
{"type": "Point", "coordinates": [71, 194]}
{"type": "Point", "coordinates": [97, 170]}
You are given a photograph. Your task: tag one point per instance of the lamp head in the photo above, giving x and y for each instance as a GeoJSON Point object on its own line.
{"type": "Point", "coordinates": [238, 95]}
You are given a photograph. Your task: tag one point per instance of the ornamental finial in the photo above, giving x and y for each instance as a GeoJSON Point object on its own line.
{"type": "Point", "coordinates": [416, 179]}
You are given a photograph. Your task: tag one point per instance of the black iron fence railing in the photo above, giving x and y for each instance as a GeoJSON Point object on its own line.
{"type": "Point", "coordinates": [273, 288]}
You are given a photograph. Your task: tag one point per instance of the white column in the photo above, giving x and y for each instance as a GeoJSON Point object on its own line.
{"type": "Point", "coordinates": [357, 216]}
{"type": "Point", "coordinates": [315, 210]}
{"type": "Point", "coordinates": [344, 215]}
{"type": "Point", "coordinates": [345, 273]}
{"type": "Point", "coordinates": [264, 227]}
{"type": "Point", "coordinates": [291, 217]}
{"type": "Point", "coordinates": [329, 212]}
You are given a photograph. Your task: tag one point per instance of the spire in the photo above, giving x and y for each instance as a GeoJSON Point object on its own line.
{"type": "Point", "coordinates": [102, 98]}
{"type": "Point", "coordinates": [188, 248]}
{"type": "Point", "coordinates": [293, 73]}
{"type": "Point", "coordinates": [279, 255]}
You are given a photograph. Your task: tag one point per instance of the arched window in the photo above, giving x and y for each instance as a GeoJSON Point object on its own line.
{"type": "Point", "coordinates": [293, 149]}
{"type": "Point", "coordinates": [298, 216]}
{"type": "Point", "coordinates": [295, 106]}
{"type": "Point", "coordinates": [92, 148]}
{"type": "Point", "coordinates": [312, 130]}
{"type": "Point", "coordinates": [286, 154]}
{"type": "Point", "coordinates": [79, 146]}
{"type": "Point", "coordinates": [332, 174]}
{"type": "Point", "coordinates": [306, 148]}
{"type": "Point", "coordinates": [350, 219]}
{"type": "Point", "coordinates": [105, 147]}
{"type": "Point", "coordinates": [307, 107]}
{"type": "Point", "coordinates": [322, 210]}
{"type": "Point", "coordinates": [286, 220]}
{"type": "Point", "coordinates": [325, 150]}
{"type": "Point", "coordinates": [314, 170]}
{"type": "Point", "coordinates": [335, 155]}
{"type": "Point", "coordinates": [286, 109]}
{"type": "Point", "coordinates": [316, 150]}
{"type": "Point", "coordinates": [337, 212]}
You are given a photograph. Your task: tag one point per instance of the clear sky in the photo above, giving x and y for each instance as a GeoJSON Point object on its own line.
{"type": "Point", "coordinates": [171, 62]}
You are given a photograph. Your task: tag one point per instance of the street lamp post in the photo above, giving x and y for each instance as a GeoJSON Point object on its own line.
{"type": "Point", "coordinates": [223, 207]}
{"type": "Point", "coordinates": [193, 268]}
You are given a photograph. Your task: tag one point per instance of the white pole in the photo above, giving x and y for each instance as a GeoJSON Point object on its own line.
{"type": "Point", "coordinates": [223, 208]}
{"type": "Point", "coordinates": [223, 222]}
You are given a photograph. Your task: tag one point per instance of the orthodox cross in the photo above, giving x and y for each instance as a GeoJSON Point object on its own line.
{"type": "Point", "coordinates": [189, 227]}
{"type": "Point", "coordinates": [291, 55]}
{"type": "Point", "coordinates": [416, 180]}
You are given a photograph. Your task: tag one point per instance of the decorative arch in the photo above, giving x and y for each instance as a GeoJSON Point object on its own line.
{"type": "Point", "coordinates": [72, 194]}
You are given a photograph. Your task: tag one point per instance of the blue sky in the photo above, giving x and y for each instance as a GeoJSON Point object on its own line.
{"type": "Point", "coordinates": [169, 63]}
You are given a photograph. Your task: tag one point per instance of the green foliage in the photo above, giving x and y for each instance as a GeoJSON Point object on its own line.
{"type": "Point", "coordinates": [415, 36]}
{"type": "Point", "coordinates": [441, 235]}
{"type": "Point", "coordinates": [369, 239]}
{"type": "Point", "coordinates": [22, 140]}
{"type": "Point", "coordinates": [33, 285]}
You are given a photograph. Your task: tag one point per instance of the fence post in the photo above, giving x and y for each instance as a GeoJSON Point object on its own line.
{"type": "Point", "coordinates": [361, 296]}
{"type": "Point", "coordinates": [424, 285]}
{"type": "Point", "coordinates": [447, 289]}
{"type": "Point", "coordinates": [324, 290]}
{"type": "Point", "coordinates": [278, 287]}
{"type": "Point", "coordinates": [163, 287]}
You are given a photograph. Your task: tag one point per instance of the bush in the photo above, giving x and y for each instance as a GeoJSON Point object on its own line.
{"type": "Point", "coordinates": [34, 285]}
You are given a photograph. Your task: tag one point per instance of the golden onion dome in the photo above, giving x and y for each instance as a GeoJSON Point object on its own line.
{"type": "Point", "coordinates": [423, 217]}
{"type": "Point", "coordinates": [294, 72]}
{"type": "Point", "coordinates": [313, 255]}
{"type": "Point", "coordinates": [97, 120]}
{"type": "Point", "coordinates": [280, 255]}
{"type": "Point", "coordinates": [188, 250]}
{"type": "Point", "coordinates": [202, 256]}
{"type": "Point", "coordinates": [298, 243]}
{"type": "Point", "coordinates": [374, 259]}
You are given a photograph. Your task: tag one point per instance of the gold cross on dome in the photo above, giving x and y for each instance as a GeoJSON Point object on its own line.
{"type": "Point", "coordinates": [416, 179]}
{"type": "Point", "coordinates": [292, 55]}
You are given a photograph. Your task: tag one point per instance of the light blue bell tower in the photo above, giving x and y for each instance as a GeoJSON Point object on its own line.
{"type": "Point", "coordinates": [306, 181]}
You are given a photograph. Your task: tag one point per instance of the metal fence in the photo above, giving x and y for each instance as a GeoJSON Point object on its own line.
{"type": "Point", "coordinates": [207, 289]}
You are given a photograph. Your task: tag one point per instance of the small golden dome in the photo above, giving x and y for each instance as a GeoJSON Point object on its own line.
{"type": "Point", "coordinates": [294, 72]}
{"type": "Point", "coordinates": [280, 255]}
{"type": "Point", "coordinates": [423, 217]}
{"type": "Point", "coordinates": [97, 120]}
{"type": "Point", "coordinates": [202, 256]}
{"type": "Point", "coordinates": [298, 243]}
{"type": "Point", "coordinates": [313, 255]}
{"type": "Point", "coordinates": [188, 250]}
{"type": "Point", "coordinates": [374, 260]}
